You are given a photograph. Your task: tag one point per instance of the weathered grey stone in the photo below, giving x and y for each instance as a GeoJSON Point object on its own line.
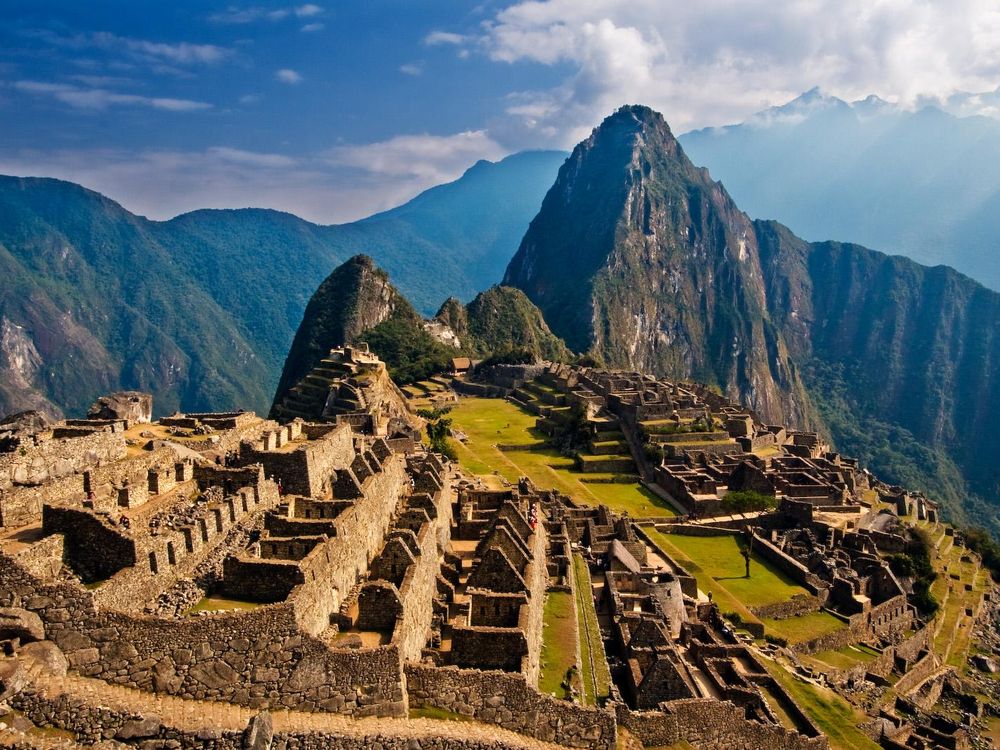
{"type": "Point", "coordinates": [137, 729]}
{"type": "Point", "coordinates": [259, 732]}
{"type": "Point", "coordinates": [48, 656]}
{"type": "Point", "coordinates": [22, 624]}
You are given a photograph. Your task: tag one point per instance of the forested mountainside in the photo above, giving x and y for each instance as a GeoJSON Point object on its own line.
{"type": "Point", "coordinates": [357, 303]}
{"type": "Point", "coordinates": [201, 310]}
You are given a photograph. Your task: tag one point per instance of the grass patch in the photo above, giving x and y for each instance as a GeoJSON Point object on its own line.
{"type": "Point", "coordinates": [847, 657]}
{"type": "Point", "coordinates": [832, 714]}
{"type": "Point", "coordinates": [718, 558]}
{"type": "Point", "coordinates": [803, 628]}
{"type": "Point", "coordinates": [595, 675]}
{"type": "Point", "coordinates": [558, 643]}
{"type": "Point", "coordinates": [488, 422]}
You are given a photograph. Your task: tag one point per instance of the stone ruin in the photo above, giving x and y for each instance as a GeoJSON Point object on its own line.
{"type": "Point", "coordinates": [304, 572]}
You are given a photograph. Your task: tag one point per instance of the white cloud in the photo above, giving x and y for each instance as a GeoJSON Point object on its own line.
{"type": "Point", "coordinates": [717, 61]}
{"type": "Point", "coordinates": [308, 10]}
{"type": "Point", "coordinates": [444, 37]}
{"type": "Point", "coordinates": [317, 187]}
{"type": "Point", "coordinates": [430, 158]}
{"type": "Point", "coordinates": [310, 27]}
{"type": "Point", "coordinates": [144, 50]}
{"type": "Point", "coordinates": [287, 75]}
{"type": "Point", "coordinates": [235, 14]}
{"type": "Point", "coordinates": [412, 69]}
{"type": "Point", "coordinates": [99, 99]}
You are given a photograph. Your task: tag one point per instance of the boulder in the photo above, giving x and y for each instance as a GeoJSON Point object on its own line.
{"type": "Point", "coordinates": [139, 729]}
{"type": "Point", "coordinates": [259, 732]}
{"type": "Point", "coordinates": [135, 406]}
{"type": "Point", "coordinates": [22, 624]}
{"type": "Point", "coordinates": [46, 655]}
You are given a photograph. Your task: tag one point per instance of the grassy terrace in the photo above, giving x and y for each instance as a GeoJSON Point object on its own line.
{"type": "Point", "coordinates": [571, 623]}
{"type": "Point", "coordinates": [845, 658]}
{"type": "Point", "coordinates": [559, 639]}
{"type": "Point", "coordinates": [489, 422]}
{"type": "Point", "coordinates": [718, 566]}
{"type": "Point", "coordinates": [832, 714]}
{"type": "Point", "coordinates": [595, 675]}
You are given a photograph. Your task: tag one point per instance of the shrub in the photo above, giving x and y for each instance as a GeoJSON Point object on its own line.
{"type": "Point", "coordinates": [747, 501]}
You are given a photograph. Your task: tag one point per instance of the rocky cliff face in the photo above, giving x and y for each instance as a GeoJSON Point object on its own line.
{"type": "Point", "coordinates": [638, 257]}
{"type": "Point", "coordinates": [354, 299]}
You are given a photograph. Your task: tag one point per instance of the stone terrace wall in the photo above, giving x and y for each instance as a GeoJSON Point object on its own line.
{"type": "Point", "coordinates": [889, 617]}
{"type": "Point", "coordinates": [92, 724]}
{"type": "Point", "coordinates": [59, 457]}
{"type": "Point", "coordinates": [508, 700]}
{"type": "Point", "coordinates": [256, 658]}
{"type": "Point", "coordinates": [711, 725]}
{"type": "Point", "coordinates": [419, 587]}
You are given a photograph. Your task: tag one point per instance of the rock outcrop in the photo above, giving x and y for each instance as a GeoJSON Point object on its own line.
{"type": "Point", "coordinates": [638, 257]}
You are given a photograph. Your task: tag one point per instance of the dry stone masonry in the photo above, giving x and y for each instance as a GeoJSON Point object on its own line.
{"type": "Point", "coordinates": [322, 580]}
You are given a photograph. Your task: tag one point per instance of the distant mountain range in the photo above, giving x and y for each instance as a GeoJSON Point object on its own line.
{"type": "Point", "coordinates": [200, 310]}
{"type": "Point", "coordinates": [639, 258]}
{"type": "Point", "coordinates": [925, 184]}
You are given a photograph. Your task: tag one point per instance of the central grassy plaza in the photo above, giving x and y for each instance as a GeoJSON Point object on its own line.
{"type": "Point", "coordinates": [500, 439]}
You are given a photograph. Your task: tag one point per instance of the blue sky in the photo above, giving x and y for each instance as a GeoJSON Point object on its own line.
{"type": "Point", "coordinates": [337, 109]}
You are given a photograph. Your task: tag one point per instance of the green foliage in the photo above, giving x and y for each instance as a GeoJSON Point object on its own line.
{"type": "Point", "coordinates": [980, 542]}
{"type": "Point", "coordinates": [572, 434]}
{"type": "Point", "coordinates": [747, 501]}
{"type": "Point", "coordinates": [410, 353]}
{"type": "Point", "coordinates": [917, 556]}
{"type": "Point", "coordinates": [437, 435]}
{"type": "Point", "coordinates": [502, 319]}
{"type": "Point", "coordinates": [509, 357]}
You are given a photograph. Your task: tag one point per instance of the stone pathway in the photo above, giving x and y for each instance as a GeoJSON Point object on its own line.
{"type": "Point", "coordinates": [191, 715]}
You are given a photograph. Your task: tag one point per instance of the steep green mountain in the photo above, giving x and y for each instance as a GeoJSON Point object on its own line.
{"type": "Point", "coordinates": [638, 257]}
{"type": "Point", "coordinates": [501, 319]}
{"type": "Point", "coordinates": [357, 303]}
{"type": "Point", "coordinates": [201, 309]}
{"type": "Point", "coordinates": [641, 258]}
{"type": "Point", "coordinates": [924, 184]}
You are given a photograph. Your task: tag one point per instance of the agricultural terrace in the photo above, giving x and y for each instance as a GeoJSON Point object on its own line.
{"type": "Point", "coordinates": [500, 438]}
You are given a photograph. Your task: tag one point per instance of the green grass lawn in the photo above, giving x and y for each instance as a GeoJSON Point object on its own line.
{"type": "Point", "coordinates": [803, 628]}
{"type": "Point", "coordinates": [847, 657]}
{"type": "Point", "coordinates": [440, 714]}
{"type": "Point", "coordinates": [559, 638]}
{"type": "Point", "coordinates": [488, 422]}
{"type": "Point", "coordinates": [718, 559]}
{"type": "Point", "coordinates": [596, 677]}
{"type": "Point", "coordinates": [832, 714]}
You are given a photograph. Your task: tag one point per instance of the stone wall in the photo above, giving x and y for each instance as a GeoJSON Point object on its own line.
{"type": "Point", "coordinates": [345, 558]}
{"type": "Point", "coordinates": [508, 700]}
{"type": "Point", "coordinates": [92, 724]}
{"type": "Point", "coordinates": [889, 618]}
{"type": "Point", "coordinates": [711, 725]}
{"type": "Point", "coordinates": [104, 479]}
{"type": "Point", "coordinates": [257, 658]}
{"type": "Point", "coordinates": [306, 469]}
{"type": "Point", "coordinates": [419, 586]}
